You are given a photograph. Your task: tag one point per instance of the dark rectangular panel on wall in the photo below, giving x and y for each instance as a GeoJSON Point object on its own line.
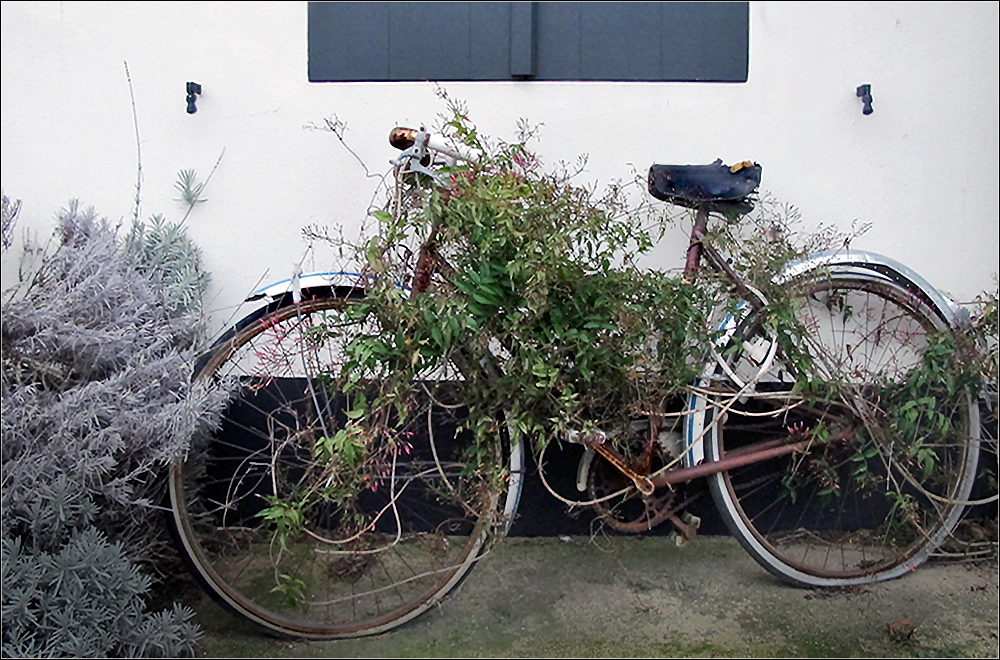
{"type": "Point", "coordinates": [640, 41]}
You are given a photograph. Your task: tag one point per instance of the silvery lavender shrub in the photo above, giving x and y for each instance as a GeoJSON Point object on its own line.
{"type": "Point", "coordinates": [97, 346]}
{"type": "Point", "coordinates": [85, 600]}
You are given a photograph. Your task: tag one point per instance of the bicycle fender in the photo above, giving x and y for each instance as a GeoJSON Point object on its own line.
{"type": "Point", "coordinates": [872, 264]}
{"type": "Point", "coordinates": [311, 285]}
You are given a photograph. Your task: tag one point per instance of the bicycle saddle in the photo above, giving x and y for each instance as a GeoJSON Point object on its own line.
{"type": "Point", "coordinates": [717, 186]}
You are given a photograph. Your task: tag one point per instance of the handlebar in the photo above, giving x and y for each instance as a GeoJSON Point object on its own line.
{"type": "Point", "coordinates": [408, 138]}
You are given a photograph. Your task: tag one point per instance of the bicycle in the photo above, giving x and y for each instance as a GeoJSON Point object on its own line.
{"type": "Point", "coordinates": [797, 479]}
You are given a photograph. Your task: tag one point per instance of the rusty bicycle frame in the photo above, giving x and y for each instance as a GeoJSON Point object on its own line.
{"type": "Point", "coordinates": [699, 249]}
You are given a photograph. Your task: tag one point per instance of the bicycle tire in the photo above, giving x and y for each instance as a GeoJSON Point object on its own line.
{"type": "Point", "coordinates": [871, 507]}
{"type": "Point", "coordinates": [364, 562]}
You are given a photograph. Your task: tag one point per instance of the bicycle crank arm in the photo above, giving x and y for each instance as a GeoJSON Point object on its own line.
{"type": "Point", "coordinates": [596, 442]}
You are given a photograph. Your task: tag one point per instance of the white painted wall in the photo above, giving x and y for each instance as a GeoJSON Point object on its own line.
{"type": "Point", "coordinates": [922, 168]}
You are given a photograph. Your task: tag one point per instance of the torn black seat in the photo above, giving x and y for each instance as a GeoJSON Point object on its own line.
{"type": "Point", "coordinates": [717, 186]}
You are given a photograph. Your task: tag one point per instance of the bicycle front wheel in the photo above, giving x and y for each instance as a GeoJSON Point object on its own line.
{"type": "Point", "coordinates": [889, 441]}
{"type": "Point", "coordinates": [312, 528]}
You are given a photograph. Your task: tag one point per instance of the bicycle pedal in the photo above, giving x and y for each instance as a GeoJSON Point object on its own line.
{"type": "Point", "coordinates": [677, 538]}
{"type": "Point", "coordinates": [691, 519]}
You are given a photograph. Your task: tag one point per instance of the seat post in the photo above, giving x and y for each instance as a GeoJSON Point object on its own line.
{"type": "Point", "coordinates": [694, 247]}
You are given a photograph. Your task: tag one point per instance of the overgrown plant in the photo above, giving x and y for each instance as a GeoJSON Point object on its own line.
{"type": "Point", "coordinates": [542, 275]}
{"type": "Point", "coordinates": [539, 278]}
{"type": "Point", "coordinates": [980, 349]}
{"type": "Point", "coordinates": [538, 300]}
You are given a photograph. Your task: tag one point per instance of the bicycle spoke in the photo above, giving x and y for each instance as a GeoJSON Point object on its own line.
{"type": "Point", "coordinates": [869, 499]}
{"type": "Point", "coordinates": [349, 545]}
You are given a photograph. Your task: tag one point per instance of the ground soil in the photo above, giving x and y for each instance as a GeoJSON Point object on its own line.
{"type": "Point", "coordinates": [583, 596]}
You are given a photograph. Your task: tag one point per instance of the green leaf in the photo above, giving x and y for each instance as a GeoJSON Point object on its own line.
{"type": "Point", "coordinates": [859, 469]}
{"type": "Point", "coordinates": [438, 336]}
{"type": "Point", "coordinates": [484, 298]}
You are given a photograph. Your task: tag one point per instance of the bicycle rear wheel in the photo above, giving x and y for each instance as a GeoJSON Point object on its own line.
{"type": "Point", "coordinates": [892, 444]}
{"type": "Point", "coordinates": [312, 530]}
